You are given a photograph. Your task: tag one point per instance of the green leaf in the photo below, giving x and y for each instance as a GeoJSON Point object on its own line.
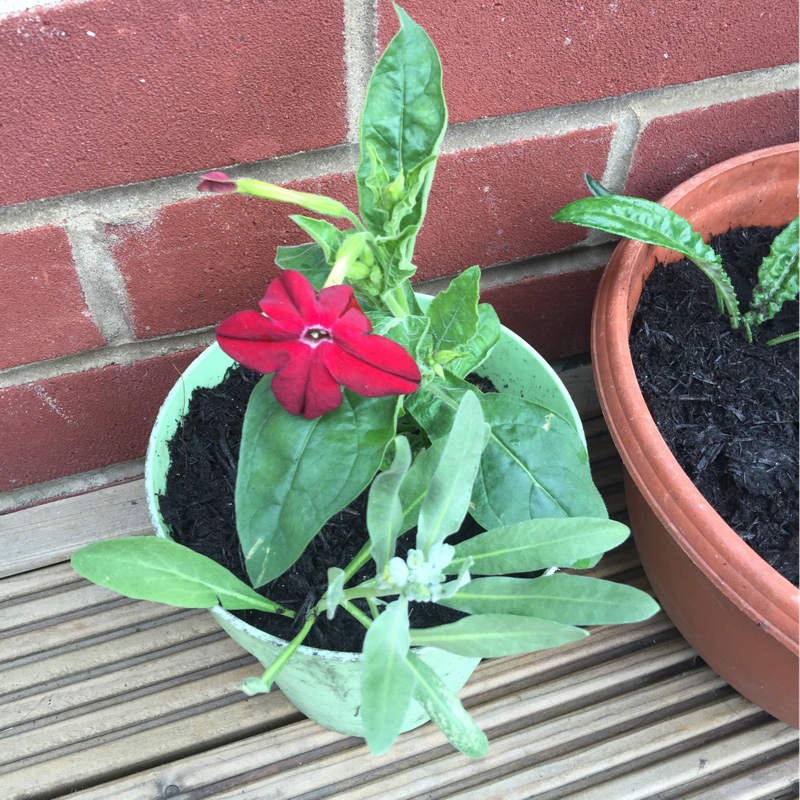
{"type": "Point", "coordinates": [777, 276]}
{"type": "Point", "coordinates": [384, 510]}
{"type": "Point", "coordinates": [447, 499]}
{"type": "Point", "coordinates": [445, 709]}
{"type": "Point", "coordinates": [325, 234]}
{"type": "Point", "coordinates": [434, 404]}
{"type": "Point", "coordinates": [454, 312]}
{"type": "Point", "coordinates": [645, 221]}
{"type": "Point", "coordinates": [787, 337]}
{"type": "Point", "coordinates": [295, 473]}
{"type": "Point", "coordinates": [538, 544]}
{"type": "Point", "coordinates": [402, 126]}
{"type": "Point", "coordinates": [410, 331]}
{"type": "Point", "coordinates": [587, 563]}
{"type": "Point", "coordinates": [568, 599]}
{"type": "Point", "coordinates": [477, 349]}
{"type": "Point", "coordinates": [335, 593]}
{"type": "Point", "coordinates": [494, 635]}
{"type": "Point", "coordinates": [309, 259]}
{"type": "Point", "coordinates": [535, 465]}
{"type": "Point", "coordinates": [149, 568]}
{"type": "Point", "coordinates": [387, 681]}
{"type": "Point", "coordinates": [416, 482]}
{"type": "Point", "coordinates": [595, 187]}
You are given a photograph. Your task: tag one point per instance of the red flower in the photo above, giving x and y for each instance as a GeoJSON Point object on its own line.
{"type": "Point", "coordinates": [314, 344]}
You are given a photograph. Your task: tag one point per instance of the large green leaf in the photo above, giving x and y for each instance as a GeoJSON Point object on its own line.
{"type": "Point", "coordinates": [149, 568]}
{"type": "Point", "coordinates": [387, 681]}
{"type": "Point", "coordinates": [492, 635]}
{"type": "Point", "coordinates": [535, 463]}
{"type": "Point", "coordinates": [416, 482]}
{"type": "Point", "coordinates": [445, 709]}
{"type": "Point", "coordinates": [384, 510]}
{"type": "Point", "coordinates": [643, 220]}
{"type": "Point", "coordinates": [402, 126]}
{"type": "Point", "coordinates": [295, 473]}
{"type": "Point", "coordinates": [646, 221]}
{"type": "Point", "coordinates": [538, 544]}
{"type": "Point", "coordinates": [447, 498]}
{"type": "Point", "coordinates": [568, 599]}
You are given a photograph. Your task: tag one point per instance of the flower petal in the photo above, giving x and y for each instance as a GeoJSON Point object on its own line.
{"type": "Point", "coordinates": [373, 367]}
{"type": "Point", "coordinates": [323, 393]}
{"type": "Point", "coordinates": [291, 302]}
{"type": "Point", "coordinates": [340, 301]}
{"type": "Point", "coordinates": [352, 324]}
{"type": "Point", "coordinates": [254, 341]}
{"type": "Point", "coordinates": [305, 386]}
{"type": "Point", "coordinates": [252, 325]}
{"type": "Point", "coordinates": [381, 353]}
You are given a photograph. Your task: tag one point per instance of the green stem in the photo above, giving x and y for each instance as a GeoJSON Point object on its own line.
{"type": "Point", "coordinates": [785, 338]}
{"type": "Point", "coordinates": [355, 565]}
{"type": "Point", "coordinates": [396, 300]}
{"type": "Point", "coordinates": [357, 613]}
{"type": "Point", "coordinates": [271, 673]}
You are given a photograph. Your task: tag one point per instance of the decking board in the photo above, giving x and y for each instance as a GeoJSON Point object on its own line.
{"type": "Point", "coordinates": [104, 697]}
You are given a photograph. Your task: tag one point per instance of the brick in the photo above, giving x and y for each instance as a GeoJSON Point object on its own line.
{"type": "Point", "coordinates": [552, 313]}
{"type": "Point", "coordinates": [494, 205]}
{"type": "Point", "coordinates": [42, 307]}
{"type": "Point", "coordinates": [202, 260]}
{"type": "Point", "coordinates": [672, 149]}
{"type": "Point", "coordinates": [512, 56]}
{"type": "Point", "coordinates": [74, 423]}
{"type": "Point", "coordinates": [103, 93]}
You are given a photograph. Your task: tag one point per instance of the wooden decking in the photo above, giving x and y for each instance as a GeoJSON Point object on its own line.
{"type": "Point", "coordinates": [111, 699]}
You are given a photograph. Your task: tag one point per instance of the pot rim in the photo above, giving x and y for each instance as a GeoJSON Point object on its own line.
{"type": "Point", "coordinates": [732, 566]}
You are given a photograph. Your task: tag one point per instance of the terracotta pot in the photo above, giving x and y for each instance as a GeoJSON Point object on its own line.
{"type": "Point", "coordinates": [737, 612]}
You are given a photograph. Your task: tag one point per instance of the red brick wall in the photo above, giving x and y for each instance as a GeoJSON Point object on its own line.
{"type": "Point", "coordinates": [114, 270]}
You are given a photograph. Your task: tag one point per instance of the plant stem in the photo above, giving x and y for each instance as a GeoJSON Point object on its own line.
{"type": "Point", "coordinates": [357, 613]}
{"type": "Point", "coordinates": [396, 300]}
{"type": "Point", "coordinates": [785, 338]}
{"type": "Point", "coordinates": [355, 565]}
{"type": "Point", "coordinates": [271, 673]}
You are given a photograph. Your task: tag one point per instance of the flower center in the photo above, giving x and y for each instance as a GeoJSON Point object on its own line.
{"type": "Point", "coordinates": [315, 336]}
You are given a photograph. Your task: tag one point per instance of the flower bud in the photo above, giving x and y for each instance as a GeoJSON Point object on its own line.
{"type": "Point", "coordinates": [216, 182]}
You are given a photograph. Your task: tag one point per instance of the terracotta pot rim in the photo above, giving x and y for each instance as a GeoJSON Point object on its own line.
{"type": "Point", "coordinates": [722, 555]}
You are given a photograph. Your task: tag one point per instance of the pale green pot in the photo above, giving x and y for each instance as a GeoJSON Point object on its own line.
{"type": "Point", "coordinates": [326, 685]}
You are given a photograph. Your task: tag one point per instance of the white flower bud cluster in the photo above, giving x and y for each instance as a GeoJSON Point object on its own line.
{"type": "Point", "coordinates": [423, 579]}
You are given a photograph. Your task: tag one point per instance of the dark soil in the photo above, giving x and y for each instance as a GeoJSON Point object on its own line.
{"type": "Point", "coordinates": [198, 505]}
{"type": "Point", "coordinates": [727, 409]}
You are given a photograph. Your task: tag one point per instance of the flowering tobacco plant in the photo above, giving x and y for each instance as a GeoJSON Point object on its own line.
{"type": "Point", "coordinates": [364, 389]}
